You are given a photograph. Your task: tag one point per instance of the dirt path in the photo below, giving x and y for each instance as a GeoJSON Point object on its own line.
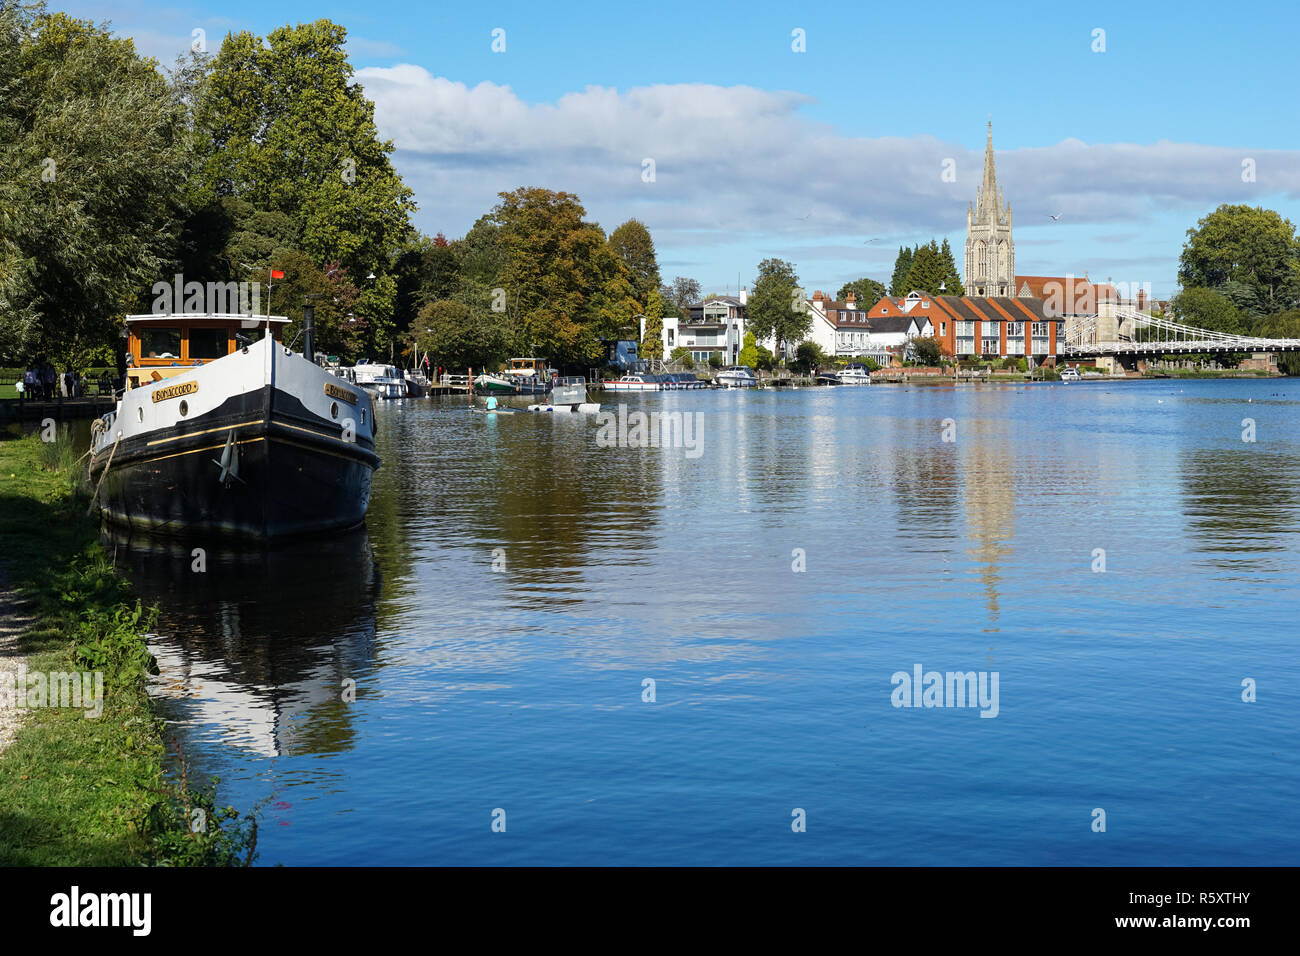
{"type": "Point", "coordinates": [14, 620]}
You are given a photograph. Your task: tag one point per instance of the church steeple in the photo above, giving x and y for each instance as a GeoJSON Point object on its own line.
{"type": "Point", "coordinates": [990, 250]}
{"type": "Point", "coordinates": [988, 208]}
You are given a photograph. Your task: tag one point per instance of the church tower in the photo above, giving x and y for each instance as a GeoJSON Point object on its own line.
{"type": "Point", "coordinates": [990, 251]}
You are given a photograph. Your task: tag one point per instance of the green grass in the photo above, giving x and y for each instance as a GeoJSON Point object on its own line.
{"type": "Point", "coordinates": [76, 791]}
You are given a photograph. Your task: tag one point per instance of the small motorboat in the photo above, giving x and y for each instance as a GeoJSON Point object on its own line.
{"type": "Point", "coordinates": [737, 376]}
{"type": "Point", "coordinates": [417, 383]}
{"type": "Point", "coordinates": [384, 380]}
{"type": "Point", "coordinates": [568, 395]}
{"type": "Point", "coordinates": [855, 374]}
{"type": "Point", "coordinates": [636, 382]}
{"type": "Point", "coordinates": [489, 384]}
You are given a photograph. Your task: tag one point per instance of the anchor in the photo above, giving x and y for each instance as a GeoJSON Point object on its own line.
{"type": "Point", "coordinates": [229, 462]}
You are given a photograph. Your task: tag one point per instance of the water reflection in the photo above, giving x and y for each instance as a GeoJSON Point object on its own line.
{"type": "Point", "coordinates": [1241, 505]}
{"type": "Point", "coordinates": [259, 643]}
{"type": "Point", "coordinates": [989, 500]}
{"type": "Point", "coordinates": [520, 483]}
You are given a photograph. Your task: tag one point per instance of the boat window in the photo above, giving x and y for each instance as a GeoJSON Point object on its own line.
{"type": "Point", "coordinates": [158, 343]}
{"type": "Point", "coordinates": [207, 343]}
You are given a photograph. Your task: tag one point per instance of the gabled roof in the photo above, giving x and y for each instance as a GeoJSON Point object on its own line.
{"type": "Point", "coordinates": [1075, 294]}
{"type": "Point", "coordinates": [997, 309]}
{"type": "Point", "coordinates": [894, 323]}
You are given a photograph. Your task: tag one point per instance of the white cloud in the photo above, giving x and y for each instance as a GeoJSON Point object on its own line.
{"type": "Point", "coordinates": [739, 160]}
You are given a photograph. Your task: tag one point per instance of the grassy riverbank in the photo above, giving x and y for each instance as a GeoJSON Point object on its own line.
{"type": "Point", "coordinates": [77, 789]}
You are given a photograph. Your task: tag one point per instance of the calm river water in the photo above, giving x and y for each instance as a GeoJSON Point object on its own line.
{"type": "Point", "coordinates": [519, 585]}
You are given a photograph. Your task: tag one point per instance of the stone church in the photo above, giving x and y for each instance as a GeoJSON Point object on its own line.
{"type": "Point", "coordinates": [990, 250]}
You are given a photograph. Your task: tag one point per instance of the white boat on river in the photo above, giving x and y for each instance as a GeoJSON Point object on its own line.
{"type": "Point", "coordinates": [568, 395]}
{"type": "Point", "coordinates": [737, 376]}
{"type": "Point", "coordinates": [383, 380]}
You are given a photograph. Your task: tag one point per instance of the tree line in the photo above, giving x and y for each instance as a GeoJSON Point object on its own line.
{"type": "Point", "coordinates": [116, 174]}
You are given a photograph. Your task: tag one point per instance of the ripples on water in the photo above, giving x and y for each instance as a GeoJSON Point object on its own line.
{"type": "Point", "coordinates": [521, 689]}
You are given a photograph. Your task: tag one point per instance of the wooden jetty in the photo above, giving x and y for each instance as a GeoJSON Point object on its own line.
{"type": "Point", "coordinates": [16, 410]}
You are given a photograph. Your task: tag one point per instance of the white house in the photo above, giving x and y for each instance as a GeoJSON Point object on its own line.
{"type": "Point", "coordinates": [847, 329]}
{"type": "Point", "coordinates": [714, 326]}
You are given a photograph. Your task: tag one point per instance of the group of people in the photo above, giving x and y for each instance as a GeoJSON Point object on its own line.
{"type": "Point", "coordinates": [41, 382]}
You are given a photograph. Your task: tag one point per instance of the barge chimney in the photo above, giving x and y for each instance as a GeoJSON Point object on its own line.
{"type": "Point", "coordinates": [309, 333]}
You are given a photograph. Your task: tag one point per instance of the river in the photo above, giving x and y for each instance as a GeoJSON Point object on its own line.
{"type": "Point", "coordinates": [639, 655]}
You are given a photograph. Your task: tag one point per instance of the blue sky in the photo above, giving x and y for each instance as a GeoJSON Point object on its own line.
{"type": "Point", "coordinates": [831, 157]}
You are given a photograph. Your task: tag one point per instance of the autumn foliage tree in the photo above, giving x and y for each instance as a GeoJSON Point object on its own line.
{"type": "Point", "coordinates": [568, 288]}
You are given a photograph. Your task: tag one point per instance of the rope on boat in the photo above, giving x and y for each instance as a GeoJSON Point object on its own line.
{"type": "Point", "coordinates": [103, 474]}
{"type": "Point", "coordinates": [97, 427]}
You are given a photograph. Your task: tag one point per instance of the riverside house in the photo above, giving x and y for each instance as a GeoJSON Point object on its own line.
{"type": "Point", "coordinates": [715, 326]}
{"type": "Point", "coordinates": [845, 328]}
{"type": "Point", "coordinates": [984, 326]}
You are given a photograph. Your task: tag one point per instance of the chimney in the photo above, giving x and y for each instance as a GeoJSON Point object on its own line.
{"type": "Point", "coordinates": [851, 301]}
{"type": "Point", "coordinates": [744, 296]}
{"type": "Point", "coordinates": [817, 296]}
{"type": "Point", "coordinates": [309, 333]}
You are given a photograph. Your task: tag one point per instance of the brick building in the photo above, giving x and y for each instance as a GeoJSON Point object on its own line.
{"type": "Point", "coordinates": [983, 326]}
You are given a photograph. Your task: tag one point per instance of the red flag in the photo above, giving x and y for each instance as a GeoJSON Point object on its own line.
{"type": "Point", "coordinates": [277, 273]}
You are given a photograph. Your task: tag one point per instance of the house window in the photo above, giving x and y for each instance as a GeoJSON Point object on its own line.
{"type": "Point", "coordinates": [1016, 329]}
{"type": "Point", "coordinates": [943, 328]}
{"type": "Point", "coordinates": [966, 329]}
{"type": "Point", "coordinates": [1040, 330]}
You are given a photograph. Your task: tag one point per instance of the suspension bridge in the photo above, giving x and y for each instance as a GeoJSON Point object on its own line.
{"type": "Point", "coordinates": [1130, 332]}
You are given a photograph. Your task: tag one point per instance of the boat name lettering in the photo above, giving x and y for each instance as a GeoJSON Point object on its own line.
{"type": "Point", "coordinates": [333, 391]}
{"type": "Point", "coordinates": [175, 391]}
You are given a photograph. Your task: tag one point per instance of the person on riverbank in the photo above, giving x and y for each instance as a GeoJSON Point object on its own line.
{"type": "Point", "coordinates": [47, 382]}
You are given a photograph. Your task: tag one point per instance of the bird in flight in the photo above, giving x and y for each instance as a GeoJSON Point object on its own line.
{"type": "Point", "coordinates": [1056, 218]}
{"type": "Point", "coordinates": [866, 241]}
